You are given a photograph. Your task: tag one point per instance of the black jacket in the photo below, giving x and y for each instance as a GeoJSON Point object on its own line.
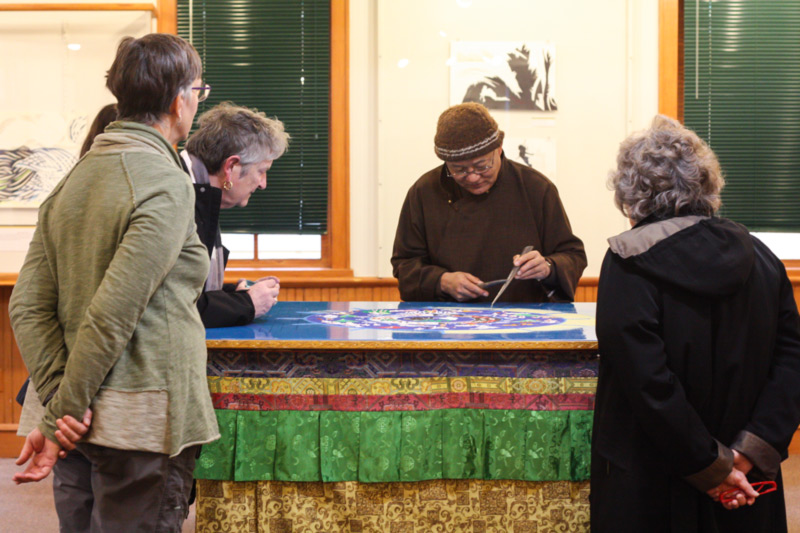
{"type": "Point", "coordinates": [699, 341]}
{"type": "Point", "coordinates": [226, 307]}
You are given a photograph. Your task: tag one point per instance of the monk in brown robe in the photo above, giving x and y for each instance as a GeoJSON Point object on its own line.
{"type": "Point", "coordinates": [466, 222]}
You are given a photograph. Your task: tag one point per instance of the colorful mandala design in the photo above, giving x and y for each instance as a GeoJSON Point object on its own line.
{"type": "Point", "coordinates": [445, 319]}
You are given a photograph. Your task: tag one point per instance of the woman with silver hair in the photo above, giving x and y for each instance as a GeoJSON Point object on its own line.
{"type": "Point", "coordinates": [104, 310]}
{"type": "Point", "coordinates": [228, 157]}
{"type": "Point", "coordinates": [698, 395]}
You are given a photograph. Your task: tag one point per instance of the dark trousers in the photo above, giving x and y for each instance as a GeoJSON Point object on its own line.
{"type": "Point", "coordinates": [99, 489]}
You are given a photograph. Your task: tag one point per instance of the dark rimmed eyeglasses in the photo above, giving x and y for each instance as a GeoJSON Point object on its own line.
{"type": "Point", "coordinates": [476, 169]}
{"type": "Point", "coordinates": [205, 90]}
{"type": "Point", "coordinates": [761, 487]}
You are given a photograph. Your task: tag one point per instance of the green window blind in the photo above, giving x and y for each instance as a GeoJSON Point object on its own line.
{"type": "Point", "coordinates": [272, 55]}
{"type": "Point", "coordinates": [742, 95]}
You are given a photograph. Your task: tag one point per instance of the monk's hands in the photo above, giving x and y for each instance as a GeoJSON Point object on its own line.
{"type": "Point", "coordinates": [737, 479]}
{"type": "Point", "coordinates": [462, 286]}
{"type": "Point", "coordinates": [532, 265]}
{"type": "Point", "coordinates": [42, 454]}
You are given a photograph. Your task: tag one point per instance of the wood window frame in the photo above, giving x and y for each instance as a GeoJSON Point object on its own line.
{"type": "Point", "coordinates": [670, 77]}
{"type": "Point", "coordinates": [335, 261]}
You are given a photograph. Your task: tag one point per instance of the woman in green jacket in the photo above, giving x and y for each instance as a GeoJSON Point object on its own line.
{"type": "Point", "coordinates": [104, 308]}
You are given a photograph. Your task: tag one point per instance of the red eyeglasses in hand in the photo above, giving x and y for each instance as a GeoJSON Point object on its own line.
{"type": "Point", "coordinates": [761, 487]}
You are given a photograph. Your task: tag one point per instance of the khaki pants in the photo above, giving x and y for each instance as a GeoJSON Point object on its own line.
{"type": "Point", "coordinates": [99, 490]}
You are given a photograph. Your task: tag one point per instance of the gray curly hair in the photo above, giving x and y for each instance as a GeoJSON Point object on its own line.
{"type": "Point", "coordinates": [228, 129]}
{"type": "Point", "coordinates": [666, 170]}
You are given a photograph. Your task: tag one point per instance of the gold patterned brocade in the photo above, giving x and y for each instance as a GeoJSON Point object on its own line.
{"type": "Point", "coordinates": [405, 385]}
{"type": "Point", "coordinates": [468, 506]}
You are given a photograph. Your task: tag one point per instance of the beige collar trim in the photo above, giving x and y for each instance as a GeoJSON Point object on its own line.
{"type": "Point", "coordinates": [638, 240]}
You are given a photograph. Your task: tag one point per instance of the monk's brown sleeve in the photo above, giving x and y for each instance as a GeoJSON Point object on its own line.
{"type": "Point", "coordinates": [563, 248]}
{"type": "Point", "coordinates": [418, 280]}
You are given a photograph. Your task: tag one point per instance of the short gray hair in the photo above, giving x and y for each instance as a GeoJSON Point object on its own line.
{"type": "Point", "coordinates": [228, 129]}
{"type": "Point", "coordinates": [666, 170]}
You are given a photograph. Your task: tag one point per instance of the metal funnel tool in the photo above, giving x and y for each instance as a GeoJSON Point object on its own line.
{"type": "Point", "coordinates": [510, 277]}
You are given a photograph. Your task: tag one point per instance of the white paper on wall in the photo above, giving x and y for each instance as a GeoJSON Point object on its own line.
{"type": "Point", "coordinates": [536, 152]}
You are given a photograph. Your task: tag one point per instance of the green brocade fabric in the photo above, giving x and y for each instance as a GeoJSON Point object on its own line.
{"type": "Point", "coordinates": [372, 447]}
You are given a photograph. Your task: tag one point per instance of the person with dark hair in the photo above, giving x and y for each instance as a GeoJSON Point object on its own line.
{"type": "Point", "coordinates": [104, 310]}
{"type": "Point", "coordinates": [105, 116]}
{"type": "Point", "coordinates": [467, 221]}
{"type": "Point", "coordinates": [228, 157]}
{"type": "Point", "coordinates": [698, 394]}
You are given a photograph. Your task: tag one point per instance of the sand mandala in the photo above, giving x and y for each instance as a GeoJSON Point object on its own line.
{"type": "Point", "coordinates": [454, 319]}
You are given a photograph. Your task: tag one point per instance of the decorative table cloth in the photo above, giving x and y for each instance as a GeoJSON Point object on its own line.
{"type": "Point", "coordinates": [386, 416]}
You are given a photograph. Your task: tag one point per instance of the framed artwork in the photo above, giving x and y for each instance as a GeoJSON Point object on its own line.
{"type": "Point", "coordinates": [52, 92]}
{"type": "Point", "coordinates": [510, 76]}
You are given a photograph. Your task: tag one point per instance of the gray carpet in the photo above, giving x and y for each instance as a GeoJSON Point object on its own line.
{"type": "Point", "coordinates": [29, 508]}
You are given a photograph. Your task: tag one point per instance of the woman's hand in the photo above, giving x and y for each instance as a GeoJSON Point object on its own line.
{"type": "Point", "coordinates": [264, 295]}
{"type": "Point", "coordinates": [70, 431]}
{"type": "Point", "coordinates": [42, 453]}
{"type": "Point", "coordinates": [746, 495]}
{"type": "Point", "coordinates": [742, 463]}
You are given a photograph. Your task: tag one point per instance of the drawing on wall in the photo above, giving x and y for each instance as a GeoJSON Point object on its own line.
{"type": "Point", "coordinates": [504, 75]}
{"type": "Point", "coordinates": [42, 125]}
{"type": "Point", "coordinates": [28, 175]}
{"type": "Point", "coordinates": [29, 169]}
{"type": "Point", "coordinates": [536, 152]}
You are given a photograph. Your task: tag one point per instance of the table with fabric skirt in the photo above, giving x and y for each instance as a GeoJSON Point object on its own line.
{"type": "Point", "coordinates": [400, 417]}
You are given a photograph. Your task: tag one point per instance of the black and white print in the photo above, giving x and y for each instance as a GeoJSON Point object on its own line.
{"type": "Point", "coordinates": [504, 75]}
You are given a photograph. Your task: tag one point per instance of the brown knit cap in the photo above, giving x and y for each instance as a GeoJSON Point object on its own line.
{"type": "Point", "coordinates": [466, 131]}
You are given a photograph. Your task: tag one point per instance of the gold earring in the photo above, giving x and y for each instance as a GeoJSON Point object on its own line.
{"type": "Point", "coordinates": [227, 185]}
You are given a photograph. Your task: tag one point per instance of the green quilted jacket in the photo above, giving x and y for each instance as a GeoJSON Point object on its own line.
{"type": "Point", "coordinates": [104, 307]}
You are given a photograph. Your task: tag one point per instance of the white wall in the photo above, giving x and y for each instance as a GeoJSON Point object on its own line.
{"type": "Point", "coordinates": [607, 83]}
{"type": "Point", "coordinates": [607, 87]}
{"type": "Point", "coordinates": [45, 87]}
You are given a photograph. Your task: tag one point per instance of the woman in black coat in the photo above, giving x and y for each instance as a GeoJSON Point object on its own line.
{"type": "Point", "coordinates": [228, 157]}
{"type": "Point", "coordinates": [699, 341]}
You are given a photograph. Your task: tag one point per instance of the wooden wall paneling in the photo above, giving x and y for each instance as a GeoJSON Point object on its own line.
{"type": "Point", "coordinates": [12, 375]}
{"type": "Point", "coordinates": [167, 13]}
{"type": "Point", "coordinates": [391, 294]}
{"type": "Point", "coordinates": [5, 359]}
{"type": "Point", "coordinates": [669, 58]}
{"type": "Point", "coordinates": [339, 187]}
{"type": "Point", "coordinates": [313, 295]}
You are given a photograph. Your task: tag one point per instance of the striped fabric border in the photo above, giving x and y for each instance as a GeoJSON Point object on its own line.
{"type": "Point", "coordinates": [400, 364]}
{"type": "Point", "coordinates": [402, 402]}
{"type": "Point", "coordinates": [407, 385]}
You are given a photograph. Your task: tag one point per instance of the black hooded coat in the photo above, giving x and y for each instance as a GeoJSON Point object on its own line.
{"type": "Point", "coordinates": [699, 340]}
